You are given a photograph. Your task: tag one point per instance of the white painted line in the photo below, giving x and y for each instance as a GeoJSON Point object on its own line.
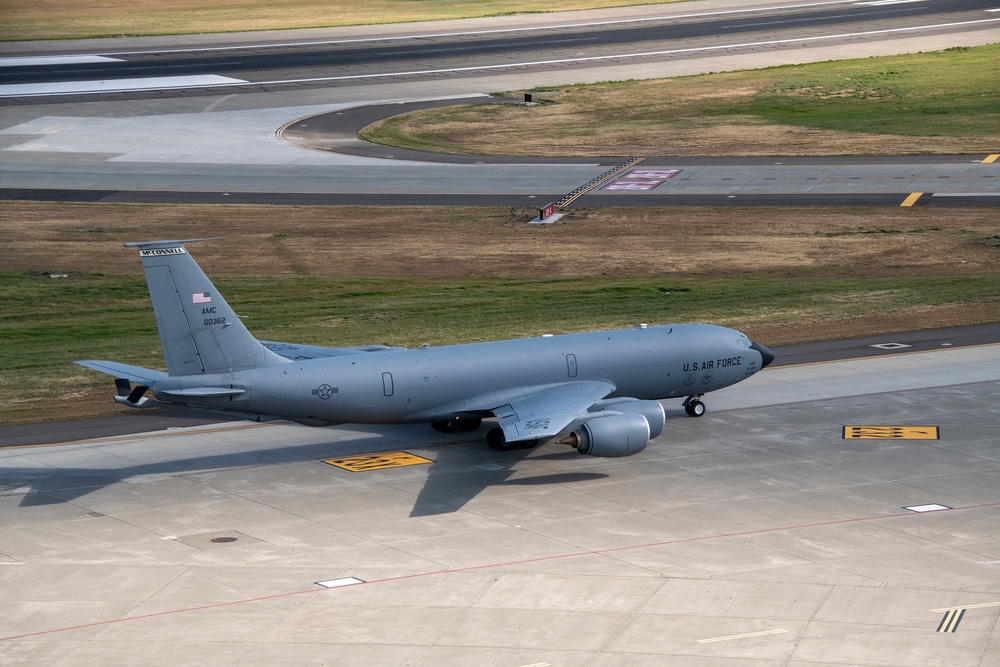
{"type": "Point", "coordinates": [933, 507]}
{"type": "Point", "coordinates": [879, 3]}
{"type": "Point", "coordinates": [337, 583]}
{"type": "Point", "coordinates": [668, 52]}
{"type": "Point", "coordinates": [558, 26]}
{"type": "Point", "coordinates": [28, 61]}
{"type": "Point", "coordinates": [116, 85]}
{"type": "Point", "coordinates": [745, 636]}
{"type": "Point", "coordinates": [9, 91]}
{"type": "Point", "coordinates": [967, 606]}
{"type": "Point", "coordinates": [966, 194]}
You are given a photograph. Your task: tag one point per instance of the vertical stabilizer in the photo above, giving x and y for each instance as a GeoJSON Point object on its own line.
{"type": "Point", "coordinates": [199, 332]}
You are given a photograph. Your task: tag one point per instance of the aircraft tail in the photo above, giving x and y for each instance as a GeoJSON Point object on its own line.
{"type": "Point", "coordinates": [199, 332]}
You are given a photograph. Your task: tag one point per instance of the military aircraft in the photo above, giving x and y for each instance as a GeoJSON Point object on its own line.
{"type": "Point", "coordinates": [596, 392]}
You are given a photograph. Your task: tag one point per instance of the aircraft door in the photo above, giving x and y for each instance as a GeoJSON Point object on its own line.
{"type": "Point", "coordinates": [387, 384]}
{"type": "Point", "coordinates": [571, 365]}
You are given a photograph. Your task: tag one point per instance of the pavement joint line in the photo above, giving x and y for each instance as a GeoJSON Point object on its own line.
{"type": "Point", "coordinates": [525, 561]}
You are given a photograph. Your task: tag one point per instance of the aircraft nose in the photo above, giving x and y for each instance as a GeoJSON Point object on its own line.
{"type": "Point", "coordinates": [766, 356]}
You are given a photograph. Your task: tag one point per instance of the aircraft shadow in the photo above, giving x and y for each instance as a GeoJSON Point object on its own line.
{"type": "Point", "coordinates": [452, 480]}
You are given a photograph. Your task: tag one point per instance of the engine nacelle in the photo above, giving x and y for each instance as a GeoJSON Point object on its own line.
{"type": "Point", "coordinates": [651, 410]}
{"type": "Point", "coordinates": [613, 435]}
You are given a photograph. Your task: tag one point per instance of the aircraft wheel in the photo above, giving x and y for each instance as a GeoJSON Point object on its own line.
{"type": "Point", "coordinates": [469, 424]}
{"type": "Point", "coordinates": [445, 426]}
{"type": "Point", "coordinates": [495, 439]}
{"type": "Point", "coordinates": [528, 444]}
{"type": "Point", "coordinates": [695, 408]}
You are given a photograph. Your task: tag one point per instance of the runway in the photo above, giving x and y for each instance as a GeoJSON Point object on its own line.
{"type": "Point", "coordinates": [758, 534]}
{"type": "Point", "coordinates": [219, 141]}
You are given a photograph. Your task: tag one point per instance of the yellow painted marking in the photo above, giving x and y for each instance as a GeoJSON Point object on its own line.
{"type": "Point", "coordinates": [378, 461]}
{"type": "Point", "coordinates": [951, 620]}
{"type": "Point", "coordinates": [912, 199]}
{"type": "Point", "coordinates": [984, 605]}
{"type": "Point", "coordinates": [891, 432]}
{"type": "Point", "coordinates": [746, 636]}
{"type": "Point", "coordinates": [992, 158]}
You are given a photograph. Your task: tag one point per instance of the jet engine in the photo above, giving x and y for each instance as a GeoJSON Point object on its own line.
{"type": "Point", "coordinates": [651, 410]}
{"type": "Point", "coordinates": [612, 435]}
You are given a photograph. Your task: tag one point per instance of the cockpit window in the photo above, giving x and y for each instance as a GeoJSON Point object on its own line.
{"type": "Point", "coordinates": [743, 342]}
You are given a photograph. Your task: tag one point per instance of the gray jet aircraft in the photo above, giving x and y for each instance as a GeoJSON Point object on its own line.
{"type": "Point", "coordinates": [596, 392]}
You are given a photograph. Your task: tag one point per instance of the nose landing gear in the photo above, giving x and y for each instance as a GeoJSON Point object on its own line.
{"type": "Point", "coordinates": [694, 406]}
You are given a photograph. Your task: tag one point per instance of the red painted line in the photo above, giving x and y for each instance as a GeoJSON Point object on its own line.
{"type": "Point", "coordinates": [469, 568]}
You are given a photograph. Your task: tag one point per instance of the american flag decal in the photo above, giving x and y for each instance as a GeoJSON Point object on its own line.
{"type": "Point", "coordinates": [202, 297]}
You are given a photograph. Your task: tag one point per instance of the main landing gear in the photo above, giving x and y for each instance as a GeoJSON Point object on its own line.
{"type": "Point", "coordinates": [693, 406]}
{"type": "Point", "coordinates": [452, 425]}
{"type": "Point", "coordinates": [496, 440]}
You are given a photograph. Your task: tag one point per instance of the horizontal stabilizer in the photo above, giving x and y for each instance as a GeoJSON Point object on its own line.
{"type": "Point", "coordinates": [204, 391]}
{"type": "Point", "coordinates": [136, 374]}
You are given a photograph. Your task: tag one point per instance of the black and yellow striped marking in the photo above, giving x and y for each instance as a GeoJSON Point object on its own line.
{"type": "Point", "coordinates": [594, 182]}
{"type": "Point", "coordinates": [891, 433]}
{"type": "Point", "coordinates": [950, 620]}
{"type": "Point", "coordinates": [378, 461]}
{"type": "Point", "coordinates": [912, 199]}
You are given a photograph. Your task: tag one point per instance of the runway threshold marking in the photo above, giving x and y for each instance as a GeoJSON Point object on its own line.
{"type": "Point", "coordinates": [912, 199]}
{"type": "Point", "coordinates": [891, 433]}
{"type": "Point", "coordinates": [471, 568]}
{"type": "Point", "coordinates": [369, 462]}
{"type": "Point", "coordinates": [992, 158]}
{"type": "Point", "coordinates": [594, 182]}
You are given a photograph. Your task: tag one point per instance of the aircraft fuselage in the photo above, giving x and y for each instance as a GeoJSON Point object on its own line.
{"type": "Point", "coordinates": [432, 384]}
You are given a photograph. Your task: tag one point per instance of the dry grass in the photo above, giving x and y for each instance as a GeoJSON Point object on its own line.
{"type": "Point", "coordinates": [461, 245]}
{"type": "Point", "coordinates": [425, 241]}
{"type": "Point", "coordinates": [930, 103]}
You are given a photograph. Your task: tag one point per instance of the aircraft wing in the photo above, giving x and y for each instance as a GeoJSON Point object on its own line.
{"type": "Point", "coordinates": [137, 374]}
{"type": "Point", "coordinates": [547, 412]}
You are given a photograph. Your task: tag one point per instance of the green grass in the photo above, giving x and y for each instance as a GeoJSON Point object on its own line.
{"type": "Point", "coordinates": [47, 323]}
{"type": "Point", "coordinates": [946, 93]}
{"type": "Point", "coordinates": [920, 98]}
